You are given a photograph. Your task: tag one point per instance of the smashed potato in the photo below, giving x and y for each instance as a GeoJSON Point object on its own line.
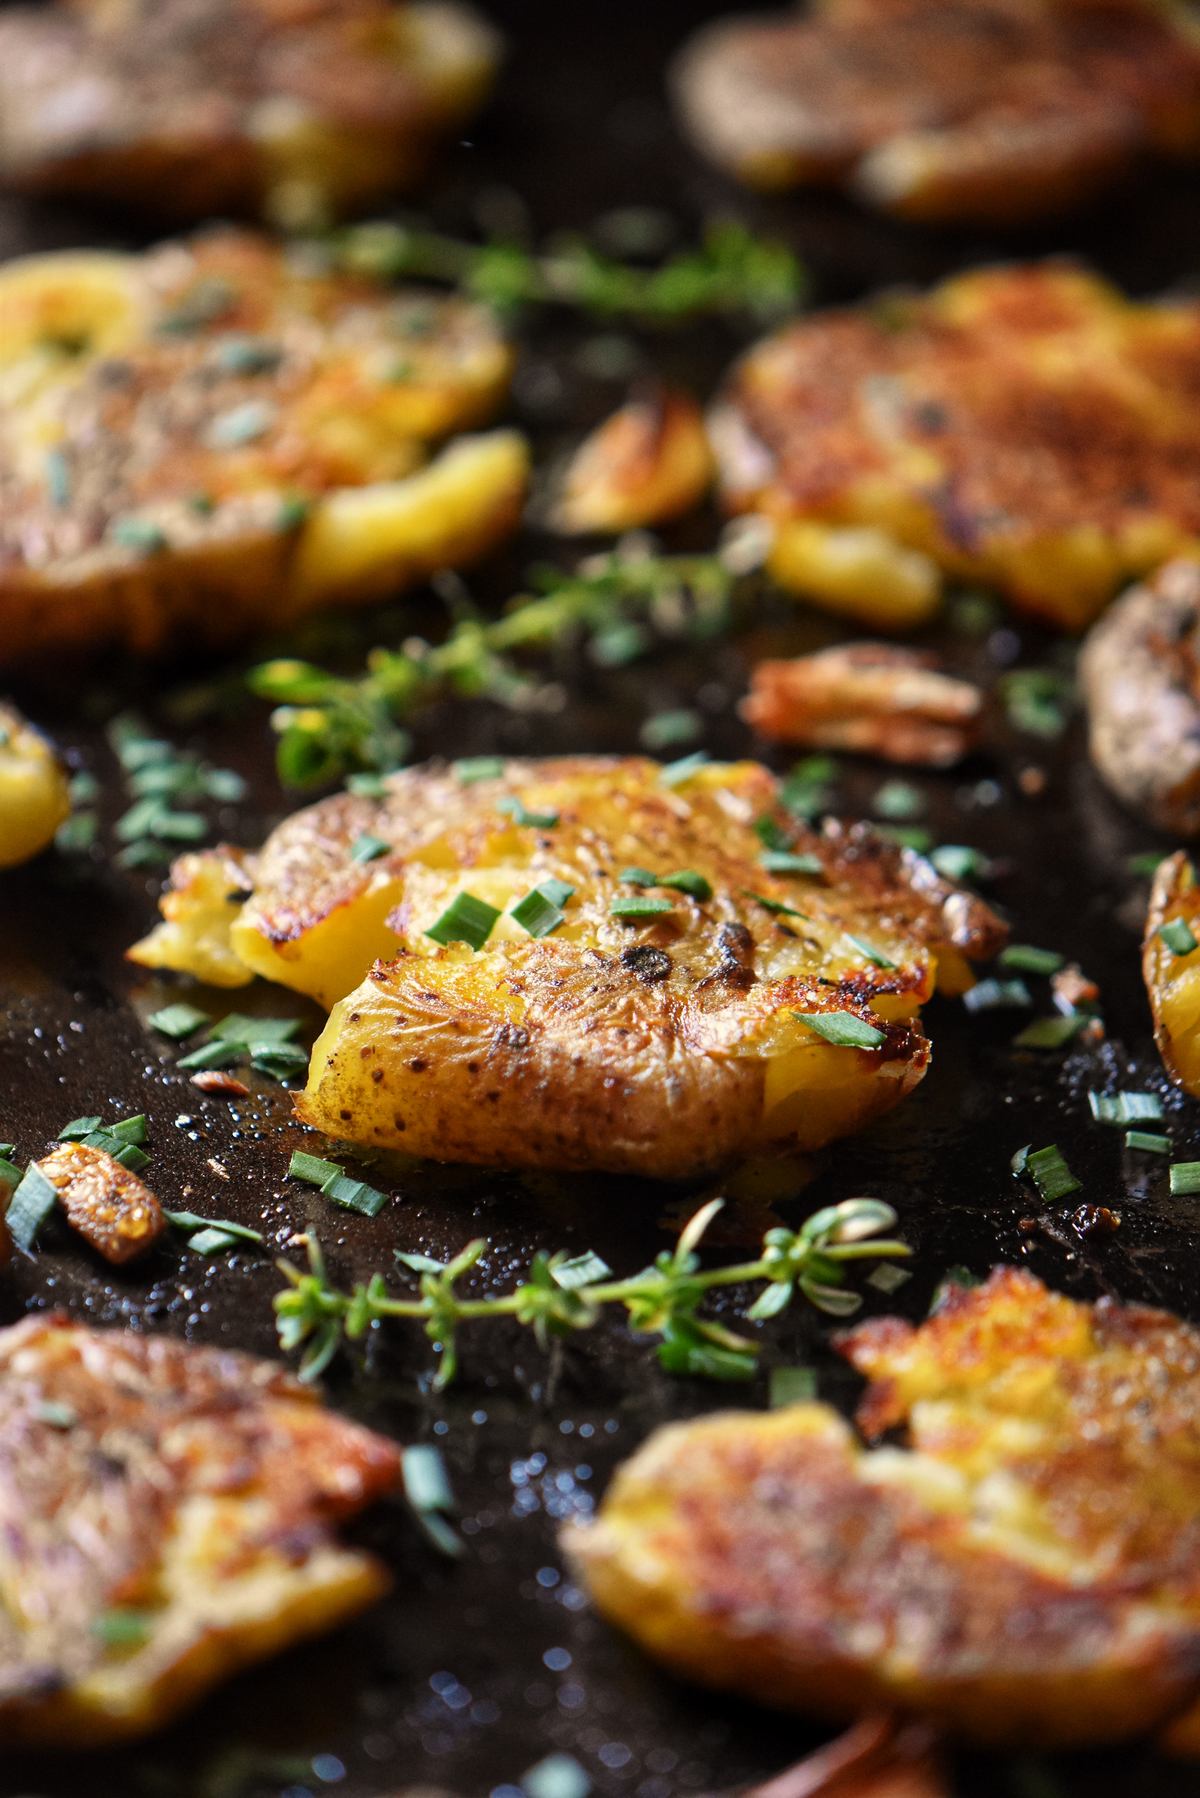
{"type": "Point", "coordinates": [1171, 968]}
{"type": "Point", "coordinates": [211, 438]}
{"type": "Point", "coordinates": [34, 793]}
{"type": "Point", "coordinates": [869, 697]}
{"type": "Point", "coordinates": [167, 1515]}
{"type": "Point", "coordinates": [990, 110]}
{"type": "Point", "coordinates": [192, 108]}
{"type": "Point", "coordinates": [646, 464]}
{"type": "Point", "coordinates": [1023, 1571]}
{"type": "Point", "coordinates": [103, 1201]}
{"type": "Point", "coordinates": [1028, 429]}
{"type": "Point", "coordinates": [644, 965]}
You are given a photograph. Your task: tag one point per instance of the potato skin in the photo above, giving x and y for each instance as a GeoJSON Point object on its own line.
{"type": "Point", "coordinates": [215, 1521]}
{"type": "Point", "coordinates": [1139, 677]}
{"type": "Point", "coordinates": [663, 1046]}
{"type": "Point", "coordinates": [1172, 978]}
{"type": "Point", "coordinates": [1023, 1573]}
{"type": "Point", "coordinates": [1026, 428]}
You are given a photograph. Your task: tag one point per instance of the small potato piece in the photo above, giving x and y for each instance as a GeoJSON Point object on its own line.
{"type": "Point", "coordinates": [1171, 968]}
{"type": "Point", "coordinates": [1140, 673]}
{"type": "Point", "coordinates": [34, 794]}
{"type": "Point", "coordinates": [104, 1202]}
{"type": "Point", "coordinates": [645, 465]}
{"type": "Point", "coordinates": [869, 697]}
{"type": "Point", "coordinates": [200, 907]}
{"type": "Point", "coordinates": [1027, 429]}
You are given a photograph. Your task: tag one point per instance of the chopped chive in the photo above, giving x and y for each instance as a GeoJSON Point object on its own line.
{"type": "Point", "coordinates": [366, 785]}
{"type": "Point", "coordinates": [10, 1173]}
{"type": "Point", "coordinates": [773, 905]}
{"type": "Point", "coordinates": [191, 1221]}
{"type": "Point", "coordinates": [806, 790]}
{"type": "Point", "coordinates": [998, 995]}
{"type": "Point", "coordinates": [212, 1055]}
{"type": "Point", "coordinates": [1030, 960]}
{"type": "Point", "coordinates": [541, 910]}
{"type": "Point", "coordinates": [354, 1195]}
{"type": "Point", "coordinates": [177, 1021]}
{"type": "Point", "coordinates": [1148, 1141]}
{"type": "Point", "coordinates": [57, 1416]}
{"type": "Point", "coordinates": [478, 767]}
{"type": "Point", "coordinates": [771, 834]}
{"type": "Point", "coordinates": [248, 356]}
{"type": "Point", "coordinates": [1050, 1033]}
{"type": "Point", "coordinates": [785, 861]}
{"type": "Point", "coordinates": [58, 479]}
{"type": "Point", "coordinates": [638, 877]}
{"type": "Point", "coordinates": [140, 534]}
{"type": "Point", "coordinates": [580, 1270]}
{"type": "Point", "coordinates": [791, 1386]}
{"type": "Point", "coordinates": [687, 880]}
{"type": "Point", "coordinates": [1037, 700]}
{"type": "Point", "coordinates": [241, 425]}
{"type": "Point", "coordinates": [122, 1628]}
{"type": "Point", "coordinates": [367, 848]}
{"type": "Point", "coordinates": [958, 862]}
{"type": "Point", "coordinates": [240, 1028]}
{"type": "Point", "coordinates": [213, 1241]}
{"type": "Point", "coordinates": [1048, 1170]}
{"type": "Point", "coordinates": [1177, 935]}
{"type": "Point", "coordinates": [1146, 865]}
{"type": "Point", "coordinates": [665, 730]}
{"type": "Point", "coordinates": [674, 774]}
{"type": "Point", "coordinates": [639, 908]}
{"type": "Point", "coordinates": [78, 1128]}
{"type": "Point", "coordinates": [906, 836]}
{"type": "Point", "coordinates": [311, 1168]}
{"type": "Point", "coordinates": [888, 1278]}
{"type": "Point", "coordinates": [279, 1061]}
{"type": "Point", "coordinates": [131, 1129]}
{"type": "Point", "coordinates": [843, 1028]}
{"type": "Point", "coordinates": [1125, 1108]}
{"type": "Point", "coordinates": [427, 1490]}
{"type": "Point", "coordinates": [29, 1207]}
{"type": "Point", "coordinates": [417, 1263]}
{"type": "Point", "coordinates": [899, 801]}
{"type": "Point", "coordinates": [873, 955]}
{"type": "Point", "coordinates": [1185, 1178]}
{"type": "Point", "coordinates": [524, 819]}
{"type": "Point", "coordinates": [465, 920]}
{"type": "Point", "coordinates": [293, 511]}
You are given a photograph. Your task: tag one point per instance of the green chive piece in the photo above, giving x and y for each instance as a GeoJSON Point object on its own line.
{"type": "Point", "coordinates": [255, 1033]}
{"type": "Point", "coordinates": [640, 908]}
{"type": "Point", "coordinates": [806, 790]}
{"type": "Point", "coordinates": [524, 819]}
{"type": "Point", "coordinates": [580, 1270]}
{"type": "Point", "coordinates": [177, 1021]}
{"type": "Point", "coordinates": [418, 1263]}
{"type": "Point", "coordinates": [465, 920]}
{"type": "Point", "coordinates": [212, 1055]}
{"type": "Point", "coordinates": [687, 880]}
{"type": "Point", "coordinates": [211, 1242]}
{"type": "Point", "coordinates": [773, 905]}
{"type": "Point", "coordinates": [1050, 1033]}
{"type": "Point", "coordinates": [367, 848]}
{"type": "Point", "coordinates": [1185, 1179]}
{"type": "Point", "coordinates": [1148, 1141]}
{"type": "Point", "coordinates": [1125, 1108]}
{"type": "Point", "coordinates": [78, 1128]}
{"type": "Point", "coordinates": [279, 1061]}
{"type": "Point", "coordinates": [888, 1278]}
{"type": "Point", "coordinates": [958, 862]}
{"type": "Point", "coordinates": [248, 356]}
{"type": "Point", "coordinates": [674, 774]}
{"type": "Point", "coordinates": [998, 995]}
{"type": "Point", "coordinates": [10, 1173]}
{"type": "Point", "coordinates": [899, 801]}
{"type": "Point", "coordinates": [367, 786]}
{"type": "Point", "coordinates": [122, 1628]}
{"type": "Point", "coordinates": [478, 767]}
{"type": "Point", "coordinates": [354, 1195]}
{"type": "Point", "coordinates": [311, 1168]}
{"type": "Point", "coordinates": [191, 1221]}
{"type": "Point", "coordinates": [1048, 1170]}
{"type": "Point", "coordinates": [1146, 865]}
{"type": "Point", "coordinates": [906, 836]}
{"type": "Point", "coordinates": [132, 1129]}
{"type": "Point", "coordinates": [241, 425]}
{"type": "Point", "coordinates": [1029, 960]}
{"type": "Point", "coordinates": [791, 1386]}
{"type": "Point", "coordinates": [1178, 937]}
{"type": "Point", "coordinates": [141, 534]}
{"type": "Point", "coordinates": [784, 861]}
{"type": "Point", "coordinates": [873, 955]}
{"type": "Point", "coordinates": [57, 1416]}
{"type": "Point", "coordinates": [427, 1489]}
{"type": "Point", "coordinates": [666, 730]}
{"type": "Point", "coordinates": [58, 479]}
{"type": "Point", "coordinates": [638, 877]}
{"type": "Point", "coordinates": [843, 1028]}
{"type": "Point", "coordinates": [541, 911]}
{"type": "Point", "coordinates": [29, 1207]}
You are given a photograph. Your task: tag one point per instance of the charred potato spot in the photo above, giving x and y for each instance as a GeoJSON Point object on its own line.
{"type": "Point", "coordinates": [978, 109]}
{"type": "Point", "coordinates": [34, 794]}
{"type": "Point", "coordinates": [230, 107]}
{"type": "Point", "coordinates": [1026, 428]}
{"type": "Point", "coordinates": [191, 1492]}
{"type": "Point", "coordinates": [1171, 968]}
{"type": "Point", "coordinates": [1020, 1569]}
{"type": "Point", "coordinates": [663, 1045]}
{"type": "Point", "coordinates": [869, 697]}
{"type": "Point", "coordinates": [104, 1202]}
{"type": "Point", "coordinates": [231, 426]}
{"type": "Point", "coordinates": [645, 465]}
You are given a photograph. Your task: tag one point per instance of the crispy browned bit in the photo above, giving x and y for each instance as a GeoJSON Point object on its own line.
{"type": "Point", "coordinates": [870, 697]}
{"type": "Point", "coordinates": [212, 1080]}
{"type": "Point", "coordinates": [647, 463]}
{"type": "Point", "coordinates": [878, 1758]}
{"type": "Point", "coordinates": [104, 1202]}
{"type": "Point", "coordinates": [1096, 1220]}
{"type": "Point", "coordinates": [1072, 989]}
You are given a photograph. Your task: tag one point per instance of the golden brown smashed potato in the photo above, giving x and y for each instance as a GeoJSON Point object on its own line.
{"type": "Point", "coordinates": [1171, 968]}
{"type": "Point", "coordinates": [662, 1042]}
{"type": "Point", "coordinates": [1025, 428]}
{"type": "Point", "coordinates": [167, 1515]}
{"type": "Point", "coordinates": [34, 793]}
{"type": "Point", "coordinates": [1140, 676]}
{"type": "Point", "coordinates": [294, 109]}
{"type": "Point", "coordinates": [992, 110]}
{"type": "Point", "coordinates": [645, 465]}
{"type": "Point", "coordinates": [1023, 1571]}
{"type": "Point", "coordinates": [210, 439]}
{"type": "Point", "coordinates": [873, 698]}
{"type": "Point", "coordinates": [103, 1201]}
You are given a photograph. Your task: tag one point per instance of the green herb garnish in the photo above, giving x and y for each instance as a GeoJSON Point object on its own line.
{"type": "Point", "coordinates": [427, 1489]}
{"type": "Point", "coordinates": [477, 767]}
{"type": "Point", "coordinates": [898, 801]}
{"type": "Point", "coordinates": [178, 1021]}
{"type": "Point", "coordinates": [1177, 935]}
{"type": "Point", "coordinates": [1048, 1170]}
{"type": "Point", "coordinates": [998, 995]}
{"type": "Point", "coordinates": [1029, 960]}
{"type": "Point", "coordinates": [122, 1628]}
{"type": "Point", "coordinates": [666, 730]}
{"type": "Point", "coordinates": [367, 848]}
{"type": "Point", "coordinates": [674, 774]}
{"type": "Point", "coordinates": [336, 1184]}
{"type": "Point", "coordinates": [786, 861]}
{"type": "Point", "coordinates": [1185, 1178]}
{"type": "Point", "coordinates": [843, 1028]}
{"type": "Point", "coordinates": [791, 1386]}
{"type": "Point", "coordinates": [1050, 1033]}
{"type": "Point", "coordinates": [527, 820]}
{"type": "Point", "coordinates": [639, 908]}
{"type": "Point", "coordinates": [875, 956]}
{"type": "Point", "coordinates": [465, 920]}
{"type": "Point", "coordinates": [958, 862]}
{"type": "Point", "coordinates": [1148, 1141]}
{"type": "Point", "coordinates": [541, 911]}
{"type": "Point", "coordinates": [29, 1207]}
{"type": "Point", "coordinates": [1125, 1108]}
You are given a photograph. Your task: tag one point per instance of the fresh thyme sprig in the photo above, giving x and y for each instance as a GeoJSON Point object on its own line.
{"type": "Point", "coordinates": [615, 606]}
{"type": "Point", "coordinates": [564, 1293]}
{"type": "Point", "coordinates": [731, 272]}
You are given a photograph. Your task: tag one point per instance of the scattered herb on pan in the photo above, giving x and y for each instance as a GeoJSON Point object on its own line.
{"type": "Point", "coordinates": [665, 1301]}
{"type": "Point", "coordinates": [336, 1184]}
{"type": "Point", "coordinates": [958, 862]}
{"type": "Point", "coordinates": [1148, 1142]}
{"type": "Point", "coordinates": [898, 801]}
{"type": "Point", "coordinates": [998, 995]}
{"type": "Point", "coordinates": [1028, 960]}
{"type": "Point", "coordinates": [1037, 701]}
{"type": "Point", "coordinates": [1052, 1032]}
{"type": "Point", "coordinates": [1048, 1170]}
{"type": "Point", "coordinates": [427, 1489]}
{"type": "Point", "coordinates": [807, 790]}
{"type": "Point", "coordinates": [123, 1140]}
{"type": "Point", "coordinates": [1125, 1108]}
{"type": "Point", "coordinates": [670, 730]}
{"type": "Point", "coordinates": [1185, 1178]}
{"type": "Point", "coordinates": [791, 1386]}
{"type": "Point", "coordinates": [211, 1235]}
{"type": "Point", "coordinates": [266, 1043]}
{"type": "Point", "coordinates": [163, 786]}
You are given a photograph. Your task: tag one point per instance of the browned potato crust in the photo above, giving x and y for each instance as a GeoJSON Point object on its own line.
{"type": "Point", "coordinates": [999, 110]}
{"type": "Point", "coordinates": [1171, 969]}
{"type": "Point", "coordinates": [870, 697]}
{"type": "Point", "coordinates": [1141, 679]}
{"type": "Point", "coordinates": [1027, 428]}
{"type": "Point", "coordinates": [646, 464]}
{"type": "Point", "coordinates": [298, 109]}
{"type": "Point", "coordinates": [662, 1045]}
{"type": "Point", "coordinates": [103, 1201]}
{"type": "Point", "coordinates": [1024, 1571]}
{"type": "Point", "coordinates": [188, 1495]}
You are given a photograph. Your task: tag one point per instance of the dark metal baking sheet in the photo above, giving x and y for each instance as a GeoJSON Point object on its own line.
{"type": "Point", "coordinates": [474, 1670]}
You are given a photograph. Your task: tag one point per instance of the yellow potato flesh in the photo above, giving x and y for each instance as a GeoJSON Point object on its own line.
{"type": "Point", "coordinates": [34, 796]}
